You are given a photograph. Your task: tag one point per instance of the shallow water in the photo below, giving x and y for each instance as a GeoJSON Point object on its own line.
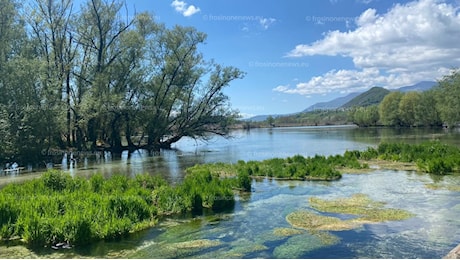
{"type": "Point", "coordinates": [247, 230]}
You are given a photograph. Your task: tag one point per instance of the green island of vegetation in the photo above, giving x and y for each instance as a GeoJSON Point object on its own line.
{"type": "Point", "coordinates": [57, 208]}
{"type": "Point", "coordinates": [367, 210]}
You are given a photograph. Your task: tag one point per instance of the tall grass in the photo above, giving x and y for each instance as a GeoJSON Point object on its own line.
{"type": "Point", "coordinates": [432, 157]}
{"type": "Point", "coordinates": [58, 208]}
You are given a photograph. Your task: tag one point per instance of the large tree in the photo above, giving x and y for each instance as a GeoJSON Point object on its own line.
{"type": "Point", "coordinates": [177, 101]}
{"type": "Point", "coordinates": [408, 107]}
{"type": "Point", "coordinates": [448, 96]}
{"type": "Point", "coordinates": [389, 109]}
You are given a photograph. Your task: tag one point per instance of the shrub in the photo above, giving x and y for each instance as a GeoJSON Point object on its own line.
{"type": "Point", "coordinates": [56, 180]}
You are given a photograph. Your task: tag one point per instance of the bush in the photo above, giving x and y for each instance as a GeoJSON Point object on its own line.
{"type": "Point", "coordinates": [56, 180]}
{"type": "Point", "coordinates": [244, 181]}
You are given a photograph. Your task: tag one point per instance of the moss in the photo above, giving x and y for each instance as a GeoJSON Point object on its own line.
{"type": "Point", "coordinates": [286, 232]}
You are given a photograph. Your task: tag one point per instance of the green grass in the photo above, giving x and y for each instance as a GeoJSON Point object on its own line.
{"type": "Point", "coordinates": [59, 208]}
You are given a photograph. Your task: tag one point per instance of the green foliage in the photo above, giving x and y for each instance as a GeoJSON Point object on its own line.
{"type": "Point", "coordinates": [244, 181]}
{"type": "Point", "coordinates": [371, 97]}
{"type": "Point", "coordinates": [57, 208]}
{"type": "Point", "coordinates": [432, 157]}
{"type": "Point", "coordinates": [389, 109]}
{"type": "Point", "coordinates": [408, 109]}
{"type": "Point", "coordinates": [365, 116]}
{"type": "Point", "coordinates": [447, 98]}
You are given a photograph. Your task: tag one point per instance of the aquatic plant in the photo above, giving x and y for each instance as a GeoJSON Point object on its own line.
{"type": "Point", "coordinates": [311, 221]}
{"type": "Point", "coordinates": [286, 232]}
{"type": "Point", "coordinates": [432, 157]}
{"type": "Point", "coordinates": [361, 205]}
{"type": "Point", "coordinates": [298, 246]}
{"type": "Point", "coordinates": [58, 208]}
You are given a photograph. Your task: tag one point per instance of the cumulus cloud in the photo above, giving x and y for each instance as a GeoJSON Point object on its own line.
{"type": "Point", "coordinates": [411, 42]}
{"type": "Point", "coordinates": [185, 9]}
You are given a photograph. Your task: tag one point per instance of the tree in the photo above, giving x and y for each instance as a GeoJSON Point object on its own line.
{"type": "Point", "coordinates": [270, 121]}
{"type": "Point", "coordinates": [365, 116]}
{"type": "Point", "coordinates": [389, 109]}
{"type": "Point", "coordinates": [426, 112]}
{"type": "Point", "coordinates": [85, 80]}
{"type": "Point", "coordinates": [54, 40]}
{"type": "Point", "coordinates": [179, 103]}
{"type": "Point", "coordinates": [408, 107]}
{"type": "Point", "coordinates": [100, 32]}
{"type": "Point", "coordinates": [448, 96]}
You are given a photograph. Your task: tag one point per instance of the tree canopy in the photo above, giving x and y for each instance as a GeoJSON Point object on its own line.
{"type": "Point", "coordinates": [95, 79]}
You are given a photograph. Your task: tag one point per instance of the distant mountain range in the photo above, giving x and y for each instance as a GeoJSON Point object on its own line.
{"type": "Point", "coordinates": [371, 97]}
{"type": "Point", "coordinates": [333, 104]}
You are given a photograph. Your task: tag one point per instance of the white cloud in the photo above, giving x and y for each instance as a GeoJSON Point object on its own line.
{"type": "Point", "coordinates": [185, 9]}
{"type": "Point", "coordinates": [411, 42]}
{"type": "Point", "coordinates": [266, 22]}
{"type": "Point", "coordinates": [281, 88]}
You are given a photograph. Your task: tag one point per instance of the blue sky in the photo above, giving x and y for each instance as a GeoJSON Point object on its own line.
{"type": "Point", "coordinates": [300, 52]}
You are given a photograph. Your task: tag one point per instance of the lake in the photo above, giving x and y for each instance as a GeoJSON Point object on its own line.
{"type": "Point", "coordinates": [247, 230]}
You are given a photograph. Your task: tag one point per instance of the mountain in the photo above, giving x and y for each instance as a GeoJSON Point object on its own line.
{"type": "Point", "coordinates": [333, 104]}
{"type": "Point", "coordinates": [421, 86]}
{"type": "Point", "coordinates": [371, 97]}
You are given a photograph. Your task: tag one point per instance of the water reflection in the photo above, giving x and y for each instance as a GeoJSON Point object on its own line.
{"type": "Point", "coordinates": [255, 144]}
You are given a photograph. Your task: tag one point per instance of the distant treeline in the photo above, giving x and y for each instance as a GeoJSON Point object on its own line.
{"type": "Point", "coordinates": [433, 108]}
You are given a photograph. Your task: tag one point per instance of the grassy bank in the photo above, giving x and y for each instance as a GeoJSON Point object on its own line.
{"type": "Point", "coordinates": [58, 208]}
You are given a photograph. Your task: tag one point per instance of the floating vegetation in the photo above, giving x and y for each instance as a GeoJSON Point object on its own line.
{"type": "Point", "coordinates": [367, 211]}
{"type": "Point", "coordinates": [286, 232]}
{"type": "Point", "coordinates": [311, 221]}
{"type": "Point", "coordinates": [362, 205]}
{"type": "Point", "coordinates": [298, 246]}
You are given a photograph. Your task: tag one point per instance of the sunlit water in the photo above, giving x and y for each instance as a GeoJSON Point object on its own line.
{"type": "Point", "coordinates": [247, 230]}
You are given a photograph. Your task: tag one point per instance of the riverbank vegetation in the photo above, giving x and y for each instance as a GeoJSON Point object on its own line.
{"type": "Point", "coordinates": [292, 168]}
{"type": "Point", "coordinates": [431, 157]}
{"type": "Point", "coordinates": [58, 208]}
{"type": "Point", "coordinates": [95, 77]}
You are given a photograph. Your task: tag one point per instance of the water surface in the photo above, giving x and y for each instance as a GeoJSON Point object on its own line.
{"type": "Point", "coordinates": [247, 230]}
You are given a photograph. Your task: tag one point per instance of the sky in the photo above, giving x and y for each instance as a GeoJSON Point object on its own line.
{"type": "Point", "coordinates": [299, 52]}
